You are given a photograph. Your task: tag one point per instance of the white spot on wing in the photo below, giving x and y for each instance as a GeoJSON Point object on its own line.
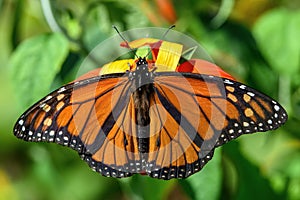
{"type": "Point", "coordinates": [51, 133]}
{"type": "Point", "coordinates": [228, 82]}
{"type": "Point", "coordinates": [48, 97]}
{"type": "Point", "coordinates": [243, 87]}
{"type": "Point", "coordinates": [61, 89]}
{"type": "Point", "coordinates": [42, 105]}
{"type": "Point", "coordinates": [251, 94]}
{"type": "Point", "coordinates": [245, 124]}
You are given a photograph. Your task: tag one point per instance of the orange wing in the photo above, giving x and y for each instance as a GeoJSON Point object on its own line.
{"type": "Point", "coordinates": [92, 116]}
{"type": "Point", "coordinates": [192, 114]}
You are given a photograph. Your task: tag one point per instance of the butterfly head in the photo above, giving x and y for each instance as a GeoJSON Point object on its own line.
{"type": "Point", "coordinates": [141, 64]}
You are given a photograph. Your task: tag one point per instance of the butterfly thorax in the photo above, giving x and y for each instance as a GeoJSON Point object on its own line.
{"type": "Point", "coordinates": [142, 94]}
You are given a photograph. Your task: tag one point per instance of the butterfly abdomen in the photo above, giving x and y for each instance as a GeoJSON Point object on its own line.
{"type": "Point", "coordinates": [141, 104]}
{"type": "Point", "coordinates": [142, 94]}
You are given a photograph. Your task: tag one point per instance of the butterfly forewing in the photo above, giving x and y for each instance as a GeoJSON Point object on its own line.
{"type": "Point", "coordinates": [249, 111]}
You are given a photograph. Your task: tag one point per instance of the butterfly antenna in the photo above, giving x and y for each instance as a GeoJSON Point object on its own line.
{"type": "Point", "coordinates": [164, 35]}
{"type": "Point", "coordinates": [123, 38]}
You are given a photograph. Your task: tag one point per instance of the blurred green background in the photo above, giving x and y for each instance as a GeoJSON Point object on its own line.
{"type": "Point", "coordinates": [43, 42]}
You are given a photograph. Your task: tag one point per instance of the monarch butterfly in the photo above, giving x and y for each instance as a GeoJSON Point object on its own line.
{"type": "Point", "coordinates": [159, 115]}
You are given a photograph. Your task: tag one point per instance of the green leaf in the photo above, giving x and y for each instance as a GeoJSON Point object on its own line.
{"type": "Point", "coordinates": [34, 65]}
{"type": "Point", "coordinates": [206, 184]}
{"type": "Point", "coordinates": [277, 33]}
{"type": "Point", "coordinates": [250, 184]}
